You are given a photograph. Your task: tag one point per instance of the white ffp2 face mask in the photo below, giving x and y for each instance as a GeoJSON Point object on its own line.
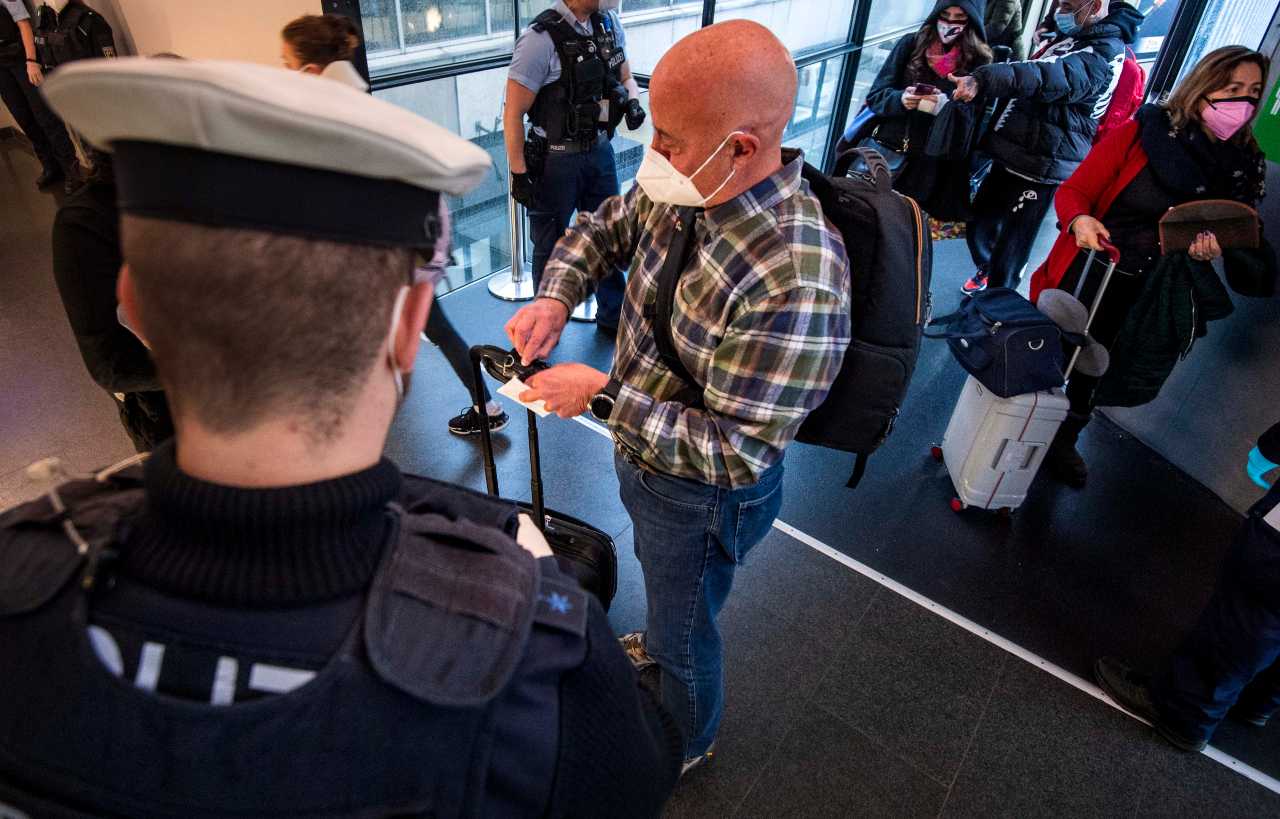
{"type": "Point", "coordinates": [662, 183]}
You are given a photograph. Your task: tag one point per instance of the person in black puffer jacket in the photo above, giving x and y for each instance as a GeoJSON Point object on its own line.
{"type": "Point", "coordinates": [951, 41]}
{"type": "Point", "coordinates": [1053, 103]}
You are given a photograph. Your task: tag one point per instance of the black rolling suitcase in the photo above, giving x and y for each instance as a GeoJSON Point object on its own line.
{"type": "Point", "coordinates": [581, 549]}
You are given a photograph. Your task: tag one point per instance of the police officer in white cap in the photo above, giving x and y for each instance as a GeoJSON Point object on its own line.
{"type": "Point", "coordinates": [267, 617]}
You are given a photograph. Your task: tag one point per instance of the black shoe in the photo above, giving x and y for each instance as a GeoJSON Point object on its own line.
{"type": "Point", "coordinates": [1066, 465]}
{"type": "Point", "coordinates": [606, 329]}
{"type": "Point", "coordinates": [1132, 692]}
{"type": "Point", "coordinates": [49, 177]}
{"type": "Point", "coordinates": [1248, 718]}
{"type": "Point", "coordinates": [468, 422]}
{"type": "Point", "coordinates": [1250, 713]}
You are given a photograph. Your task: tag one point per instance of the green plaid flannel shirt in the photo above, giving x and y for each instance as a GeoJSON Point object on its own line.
{"type": "Point", "coordinates": [761, 320]}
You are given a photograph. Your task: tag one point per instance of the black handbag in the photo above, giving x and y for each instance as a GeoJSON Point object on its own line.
{"type": "Point", "coordinates": [1006, 343]}
{"type": "Point", "coordinates": [894, 158]}
{"type": "Point", "coordinates": [581, 550]}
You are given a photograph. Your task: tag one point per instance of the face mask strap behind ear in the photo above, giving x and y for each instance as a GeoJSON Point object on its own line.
{"type": "Point", "coordinates": [714, 154]}
{"type": "Point", "coordinates": [396, 375]}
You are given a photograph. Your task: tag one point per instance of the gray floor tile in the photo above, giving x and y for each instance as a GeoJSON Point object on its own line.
{"type": "Point", "coordinates": [771, 654]}
{"type": "Point", "coordinates": [1046, 749]}
{"type": "Point", "coordinates": [913, 682]}
{"type": "Point", "coordinates": [793, 582]}
{"type": "Point", "coordinates": [750, 736]}
{"type": "Point", "coordinates": [826, 768]}
{"type": "Point", "coordinates": [1193, 785]}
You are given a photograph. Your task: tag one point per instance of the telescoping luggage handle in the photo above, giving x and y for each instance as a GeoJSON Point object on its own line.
{"type": "Point", "coordinates": [1113, 259]}
{"type": "Point", "coordinates": [505, 361]}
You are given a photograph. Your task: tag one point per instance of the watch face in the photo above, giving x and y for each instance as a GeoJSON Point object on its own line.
{"type": "Point", "coordinates": [601, 407]}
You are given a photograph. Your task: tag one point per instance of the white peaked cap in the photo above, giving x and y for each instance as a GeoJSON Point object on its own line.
{"type": "Point", "coordinates": [263, 113]}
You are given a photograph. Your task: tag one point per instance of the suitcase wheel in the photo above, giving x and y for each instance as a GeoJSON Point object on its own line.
{"type": "Point", "coordinates": [957, 505]}
{"type": "Point", "coordinates": [1004, 512]}
{"type": "Point", "coordinates": [936, 453]}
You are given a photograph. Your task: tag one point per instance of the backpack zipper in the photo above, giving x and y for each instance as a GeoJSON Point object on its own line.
{"type": "Point", "coordinates": [915, 208]}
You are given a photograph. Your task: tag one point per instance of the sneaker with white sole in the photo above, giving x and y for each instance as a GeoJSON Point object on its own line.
{"type": "Point", "coordinates": [468, 422]}
{"type": "Point", "coordinates": [975, 285]}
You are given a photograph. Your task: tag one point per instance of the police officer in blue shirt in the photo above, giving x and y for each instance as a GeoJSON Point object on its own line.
{"type": "Point", "coordinates": [268, 618]}
{"type": "Point", "coordinates": [20, 78]}
{"type": "Point", "coordinates": [566, 163]}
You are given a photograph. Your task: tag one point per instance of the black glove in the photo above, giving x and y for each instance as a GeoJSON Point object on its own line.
{"type": "Point", "coordinates": [635, 114]}
{"type": "Point", "coordinates": [522, 189]}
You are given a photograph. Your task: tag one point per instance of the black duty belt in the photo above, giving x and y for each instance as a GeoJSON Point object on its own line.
{"type": "Point", "coordinates": [575, 147]}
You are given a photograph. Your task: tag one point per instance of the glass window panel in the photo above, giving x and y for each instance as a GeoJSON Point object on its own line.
{"type": "Point", "coordinates": [1158, 19]}
{"type": "Point", "coordinates": [653, 26]}
{"type": "Point", "coordinates": [471, 106]}
{"type": "Point", "coordinates": [381, 30]}
{"type": "Point", "coordinates": [802, 25]}
{"type": "Point", "coordinates": [1229, 22]}
{"type": "Point", "coordinates": [405, 35]}
{"type": "Point", "coordinates": [870, 61]}
{"type": "Point", "coordinates": [894, 18]}
{"type": "Point", "coordinates": [810, 126]}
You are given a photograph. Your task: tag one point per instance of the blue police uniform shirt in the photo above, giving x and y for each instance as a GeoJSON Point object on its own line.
{"type": "Point", "coordinates": [16, 8]}
{"type": "Point", "coordinates": [535, 63]}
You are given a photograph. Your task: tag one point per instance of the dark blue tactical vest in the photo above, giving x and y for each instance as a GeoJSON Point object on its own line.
{"type": "Point", "coordinates": [590, 70]}
{"type": "Point", "coordinates": [401, 722]}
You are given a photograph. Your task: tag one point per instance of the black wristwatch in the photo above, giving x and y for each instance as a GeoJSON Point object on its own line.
{"type": "Point", "coordinates": [602, 402]}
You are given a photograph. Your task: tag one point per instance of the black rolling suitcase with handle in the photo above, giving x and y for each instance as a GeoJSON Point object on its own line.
{"type": "Point", "coordinates": [581, 549]}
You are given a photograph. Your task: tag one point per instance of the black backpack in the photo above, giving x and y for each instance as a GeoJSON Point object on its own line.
{"type": "Point", "coordinates": [890, 305]}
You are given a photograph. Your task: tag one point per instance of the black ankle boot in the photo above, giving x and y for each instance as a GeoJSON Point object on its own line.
{"type": "Point", "coordinates": [1063, 460]}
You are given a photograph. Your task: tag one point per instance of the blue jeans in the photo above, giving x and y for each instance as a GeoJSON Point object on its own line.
{"type": "Point", "coordinates": [1232, 656]}
{"type": "Point", "coordinates": [689, 538]}
{"type": "Point", "coordinates": [576, 182]}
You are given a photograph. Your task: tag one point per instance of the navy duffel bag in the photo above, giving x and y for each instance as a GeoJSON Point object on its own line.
{"type": "Point", "coordinates": [1005, 342]}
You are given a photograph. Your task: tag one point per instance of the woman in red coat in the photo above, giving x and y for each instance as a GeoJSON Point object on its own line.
{"type": "Point", "coordinates": [1196, 145]}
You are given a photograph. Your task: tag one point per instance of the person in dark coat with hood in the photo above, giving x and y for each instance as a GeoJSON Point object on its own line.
{"type": "Point", "coordinates": [1052, 104]}
{"type": "Point", "coordinates": [952, 41]}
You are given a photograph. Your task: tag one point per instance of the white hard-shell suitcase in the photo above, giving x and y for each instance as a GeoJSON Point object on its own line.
{"type": "Point", "coordinates": [993, 446]}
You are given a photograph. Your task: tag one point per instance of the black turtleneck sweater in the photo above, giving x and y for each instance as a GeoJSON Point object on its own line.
{"type": "Point", "coordinates": [272, 577]}
{"type": "Point", "coordinates": [259, 547]}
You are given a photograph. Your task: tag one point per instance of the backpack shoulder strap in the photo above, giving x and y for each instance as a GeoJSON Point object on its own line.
{"type": "Point", "coordinates": [678, 256]}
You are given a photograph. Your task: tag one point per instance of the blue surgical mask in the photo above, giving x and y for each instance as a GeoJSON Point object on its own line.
{"type": "Point", "coordinates": [1066, 23]}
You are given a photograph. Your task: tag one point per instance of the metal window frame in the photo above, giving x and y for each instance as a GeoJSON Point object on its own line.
{"type": "Point", "coordinates": [1177, 44]}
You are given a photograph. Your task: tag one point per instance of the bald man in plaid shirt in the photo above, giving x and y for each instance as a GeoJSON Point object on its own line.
{"type": "Point", "coordinates": [760, 320]}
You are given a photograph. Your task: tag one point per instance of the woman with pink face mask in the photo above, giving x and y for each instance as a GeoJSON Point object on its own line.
{"type": "Point", "coordinates": [910, 91]}
{"type": "Point", "coordinates": [1196, 145]}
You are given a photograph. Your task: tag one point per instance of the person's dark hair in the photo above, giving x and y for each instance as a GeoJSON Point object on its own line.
{"type": "Point", "coordinates": [245, 325]}
{"type": "Point", "coordinates": [321, 39]}
{"type": "Point", "coordinates": [974, 50]}
{"type": "Point", "coordinates": [1210, 74]}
